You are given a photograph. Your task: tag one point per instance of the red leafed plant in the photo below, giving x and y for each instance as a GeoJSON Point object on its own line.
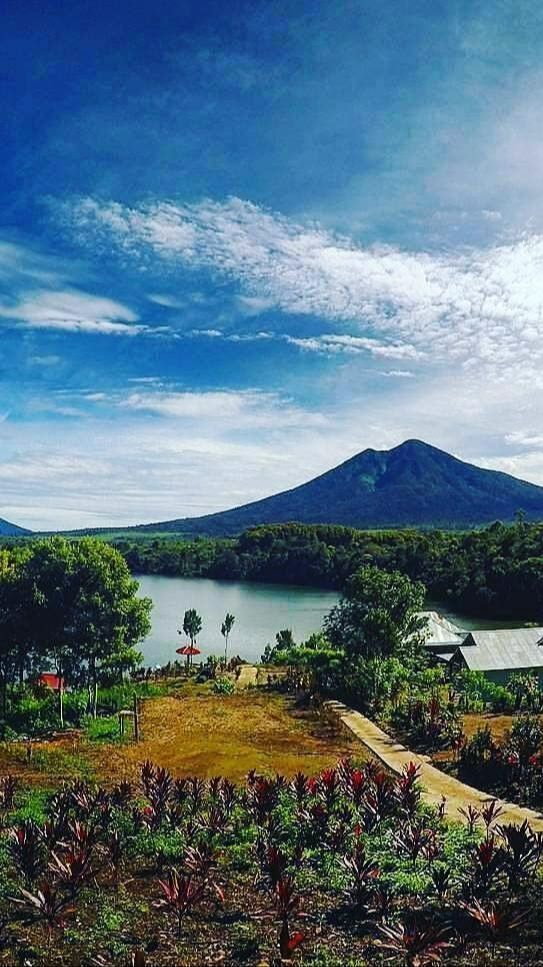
{"type": "Point", "coordinates": [26, 847]}
{"type": "Point", "coordinates": [408, 789]}
{"type": "Point", "coordinates": [180, 894]}
{"type": "Point", "coordinates": [495, 922]}
{"type": "Point", "coordinates": [418, 945]}
{"type": "Point", "coordinates": [286, 904]}
{"type": "Point", "coordinates": [73, 869]}
{"type": "Point", "coordinates": [48, 904]}
{"type": "Point", "coordinates": [490, 813]}
{"type": "Point", "coordinates": [471, 814]}
{"type": "Point", "coordinates": [363, 874]}
{"type": "Point", "coordinates": [487, 860]}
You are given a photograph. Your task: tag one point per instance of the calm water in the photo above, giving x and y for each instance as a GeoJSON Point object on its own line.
{"type": "Point", "coordinates": [261, 611]}
{"type": "Point", "coordinates": [469, 622]}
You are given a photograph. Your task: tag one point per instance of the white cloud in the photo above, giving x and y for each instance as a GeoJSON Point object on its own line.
{"type": "Point", "coordinates": [167, 301]}
{"type": "Point", "coordinates": [328, 344]}
{"type": "Point", "coordinates": [238, 410]}
{"type": "Point", "coordinates": [483, 305]}
{"type": "Point", "coordinates": [335, 343]}
{"type": "Point", "coordinates": [72, 311]}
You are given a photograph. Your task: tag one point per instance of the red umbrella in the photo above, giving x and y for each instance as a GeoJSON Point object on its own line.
{"type": "Point", "coordinates": [189, 651]}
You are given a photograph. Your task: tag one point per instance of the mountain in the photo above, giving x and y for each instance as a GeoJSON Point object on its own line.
{"type": "Point", "coordinates": [412, 484]}
{"type": "Point", "coordinates": [8, 529]}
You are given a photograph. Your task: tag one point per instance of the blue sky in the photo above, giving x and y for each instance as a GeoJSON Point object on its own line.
{"type": "Point", "coordinates": [240, 243]}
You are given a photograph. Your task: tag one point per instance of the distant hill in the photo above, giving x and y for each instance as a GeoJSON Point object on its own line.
{"type": "Point", "coordinates": [8, 529]}
{"type": "Point", "coordinates": [412, 484]}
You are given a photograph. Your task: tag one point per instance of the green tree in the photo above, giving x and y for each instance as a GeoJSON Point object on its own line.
{"type": "Point", "coordinates": [81, 610]}
{"type": "Point", "coordinates": [110, 620]}
{"type": "Point", "coordinates": [378, 615]}
{"type": "Point", "coordinates": [15, 651]}
{"type": "Point", "coordinates": [192, 626]}
{"type": "Point", "coordinates": [226, 629]}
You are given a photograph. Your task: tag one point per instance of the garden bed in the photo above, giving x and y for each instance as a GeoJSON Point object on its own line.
{"type": "Point", "coordinates": [343, 869]}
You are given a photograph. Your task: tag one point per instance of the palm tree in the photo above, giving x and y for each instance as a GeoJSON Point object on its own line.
{"type": "Point", "coordinates": [226, 628]}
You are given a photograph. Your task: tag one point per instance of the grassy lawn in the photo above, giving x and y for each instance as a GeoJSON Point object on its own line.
{"type": "Point", "coordinates": [194, 732]}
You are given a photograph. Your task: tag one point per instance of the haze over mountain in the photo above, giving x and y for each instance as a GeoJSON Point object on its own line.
{"type": "Point", "coordinates": [411, 484]}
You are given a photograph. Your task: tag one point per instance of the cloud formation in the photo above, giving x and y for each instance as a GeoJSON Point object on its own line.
{"type": "Point", "coordinates": [72, 311]}
{"type": "Point", "coordinates": [238, 410]}
{"type": "Point", "coordinates": [482, 305]}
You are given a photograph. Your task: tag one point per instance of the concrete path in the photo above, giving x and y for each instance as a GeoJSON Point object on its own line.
{"type": "Point", "coordinates": [436, 783]}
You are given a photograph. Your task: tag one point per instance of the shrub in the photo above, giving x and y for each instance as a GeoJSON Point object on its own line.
{"type": "Point", "coordinates": [223, 686]}
{"type": "Point", "coordinates": [526, 736]}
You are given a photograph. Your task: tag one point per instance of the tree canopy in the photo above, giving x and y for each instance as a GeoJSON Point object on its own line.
{"type": "Point", "coordinates": [378, 615]}
{"type": "Point", "coordinates": [71, 605]}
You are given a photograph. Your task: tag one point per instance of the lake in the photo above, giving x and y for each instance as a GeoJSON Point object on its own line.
{"type": "Point", "coordinates": [261, 610]}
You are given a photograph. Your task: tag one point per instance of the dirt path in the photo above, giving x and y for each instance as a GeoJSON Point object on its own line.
{"type": "Point", "coordinates": [436, 783]}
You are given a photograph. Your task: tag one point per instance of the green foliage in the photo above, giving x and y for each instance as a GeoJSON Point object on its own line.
{"type": "Point", "coordinates": [223, 686]}
{"type": "Point", "coordinates": [116, 697]}
{"type": "Point", "coordinates": [31, 803]}
{"type": "Point", "coordinates": [378, 615]}
{"type": "Point", "coordinates": [475, 691]}
{"type": "Point", "coordinates": [226, 630]}
{"type": "Point", "coordinates": [192, 624]}
{"type": "Point", "coordinates": [114, 918]}
{"type": "Point", "coordinates": [55, 760]}
{"type": "Point", "coordinates": [524, 686]}
{"type": "Point", "coordinates": [71, 606]}
{"type": "Point", "coordinates": [526, 735]}
{"type": "Point", "coordinates": [495, 571]}
{"type": "Point", "coordinates": [102, 729]}
{"type": "Point", "coordinates": [34, 712]}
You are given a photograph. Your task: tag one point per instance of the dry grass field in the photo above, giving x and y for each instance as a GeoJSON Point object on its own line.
{"type": "Point", "coordinates": [193, 733]}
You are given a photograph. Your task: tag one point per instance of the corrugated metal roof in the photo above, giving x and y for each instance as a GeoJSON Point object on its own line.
{"type": "Point", "coordinates": [440, 630]}
{"type": "Point", "coordinates": [503, 649]}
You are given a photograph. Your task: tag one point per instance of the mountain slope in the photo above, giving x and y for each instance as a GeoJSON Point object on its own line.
{"type": "Point", "coordinates": [7, 529]}
{"type": "Point", "coordinates": [412, 484]}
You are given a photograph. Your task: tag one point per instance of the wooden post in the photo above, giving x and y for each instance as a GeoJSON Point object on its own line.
{"type": "Point", "coordinates": [136, 719]}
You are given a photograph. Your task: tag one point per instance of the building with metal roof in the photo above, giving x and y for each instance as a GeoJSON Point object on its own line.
{"type": "Point", "coordinates": [501, 652]}
{"type": "Point", "coordinates": [442, 636]}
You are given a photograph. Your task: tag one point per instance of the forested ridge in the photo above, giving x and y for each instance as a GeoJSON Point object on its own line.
{"type": "Point", "coordinates": [494, 571]}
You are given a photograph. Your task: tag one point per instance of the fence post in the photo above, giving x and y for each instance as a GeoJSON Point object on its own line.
{"type": "Point", "coordinates": [136, 719]}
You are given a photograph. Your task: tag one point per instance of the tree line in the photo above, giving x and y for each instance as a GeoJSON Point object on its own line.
{"type": "Point", "coordinates": [495, 571]}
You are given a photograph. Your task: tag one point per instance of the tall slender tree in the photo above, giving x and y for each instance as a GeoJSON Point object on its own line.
{"type": "Point", "coordinates": [192, 626]}
{"type": "Point", "coordinates": [226, 629]}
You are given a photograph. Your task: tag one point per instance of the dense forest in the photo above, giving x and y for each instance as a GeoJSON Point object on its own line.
{"type": "Point", "coordinates": [495, 571]}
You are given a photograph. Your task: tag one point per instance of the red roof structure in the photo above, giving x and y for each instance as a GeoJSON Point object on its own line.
{"type": "Point", "coordinates": [50, 680]}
